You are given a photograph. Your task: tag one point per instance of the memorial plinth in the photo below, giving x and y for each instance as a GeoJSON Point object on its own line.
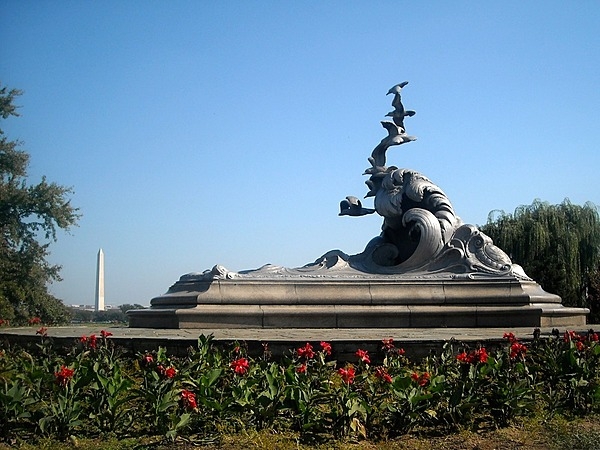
{"type": "Point", "coordinates": [427, 269]}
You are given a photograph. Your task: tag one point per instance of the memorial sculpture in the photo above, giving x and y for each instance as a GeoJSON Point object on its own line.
{"type": "Point", "coordinates": [425, 269]}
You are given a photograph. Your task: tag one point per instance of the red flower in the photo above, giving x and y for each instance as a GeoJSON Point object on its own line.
{"type": "Point", "coordinates": [90, 341]}
{"type": "Point", "coordinates": [147, 359]}
{"type": "Point", "coordinates": [422, 379]}
{"type": "Point", "coordinates": [517, 349]}
{"type": "Point", "coordinates": [570, 336]}
{"type": "Point", "coordinates": [42, 331]}
{"type": "Point", "coordinates": [4, 322]}
{"type": "Point", "coordinates": [168, 372]}
{"type": "Point", "coordinates": [240, 366]}
{"type": "Point", "coordinates": [306, 351]}
{"type": "Point", "coordinates": [464, 358]}
{"type": "Point", "coordinates": [188, 399]}
{"type": "Point", "coordinates": [63, 376]}
{"type": "Point", "coordinates": [105, 334]}
{"type": "Point", "coordinates": [593, 337]}
{"type": "Point", "coordinates": [301, 368]}
{"type": "Point", "coordinates": [326, 346]}
{"type": "Point", "coordinates": [479, 355]}
{"type": "Point", "coordinates": [381, 373]}
{"type": "Point", "coordinates": [579, 345]}
{"type": "Point", "coordinates": [388, 344]}
{"type": "Point", "coordinates": [35, 321]}
{"type": "Point", "coordinates": [363, 355]}
{"type": "Point", "coordinates": [482, 355]}
{"type": "Point", "coordinates": [400, 351]}
{"type": "Point", "coordinates": [510, 336]}
{"type": "Point", "coordinates": [347, 374]}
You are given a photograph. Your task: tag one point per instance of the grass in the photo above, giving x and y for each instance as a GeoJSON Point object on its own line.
{"type": "Point", "coordinates": [531, 434]}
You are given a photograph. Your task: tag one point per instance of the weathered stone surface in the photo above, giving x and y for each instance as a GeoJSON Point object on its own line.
{"type": "Point", "coordinates": [387, 302]}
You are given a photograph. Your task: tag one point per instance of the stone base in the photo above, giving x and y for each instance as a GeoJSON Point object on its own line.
{"type": "Point", "coordinates": [370, 302]}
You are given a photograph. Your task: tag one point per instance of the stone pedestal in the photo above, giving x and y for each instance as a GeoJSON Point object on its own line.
{"type": "Point", "coordinates": [374, 302]}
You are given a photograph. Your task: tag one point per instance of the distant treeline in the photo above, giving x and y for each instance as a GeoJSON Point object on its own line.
{"type": "Point", "coordinates": [114, 315]}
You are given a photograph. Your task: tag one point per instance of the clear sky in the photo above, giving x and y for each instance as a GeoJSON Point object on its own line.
{"type": "Point", "coordinates": [197, 133]}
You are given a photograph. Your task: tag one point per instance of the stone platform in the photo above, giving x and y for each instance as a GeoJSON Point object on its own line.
{"type": "Point", "coordinates": [345, 302]}
{"type": "Point", "coordinates": [417, 342]}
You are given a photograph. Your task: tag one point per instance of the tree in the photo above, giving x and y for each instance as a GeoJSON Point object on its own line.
{"type": "Point", "coordinates": [126, 307]}
{"type": "Point", "coordinates": [30, 216]}
{"type": "Point", "coordinates": [557, 245]}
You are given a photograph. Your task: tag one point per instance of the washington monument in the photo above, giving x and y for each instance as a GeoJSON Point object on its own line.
{"type": "Point", "coordinates": [100, 282]}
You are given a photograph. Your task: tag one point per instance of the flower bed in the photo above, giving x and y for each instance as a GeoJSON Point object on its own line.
{"type": "Point", "coordinates": [94, 389]}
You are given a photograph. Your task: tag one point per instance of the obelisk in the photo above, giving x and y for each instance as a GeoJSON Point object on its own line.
{"type": "Point", "coordinates": [100, 282]}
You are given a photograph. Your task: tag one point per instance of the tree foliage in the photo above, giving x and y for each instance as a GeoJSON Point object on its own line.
{"type": "Point", "coordinates": [557, 245]}
{"type": "Point", "coordinates": [30, 216]}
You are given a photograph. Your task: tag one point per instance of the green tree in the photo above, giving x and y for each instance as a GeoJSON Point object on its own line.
{"type": "Point", "coordinates": [557, 245]}
{"type": "Point", "coordinates": [30, 216]}
{"type": "Point", "coordinates": [126, 307]}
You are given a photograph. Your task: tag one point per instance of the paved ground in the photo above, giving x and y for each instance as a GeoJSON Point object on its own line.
{"type": "Point", "coordinates": [288, 334]}
{"type": "Point", "coordinates": [416, 341]}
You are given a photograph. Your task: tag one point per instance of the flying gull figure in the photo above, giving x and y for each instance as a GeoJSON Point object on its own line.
{"type": "Point", "coordinates": [399, 113]}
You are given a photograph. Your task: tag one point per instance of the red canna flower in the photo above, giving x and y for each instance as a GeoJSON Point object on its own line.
{"type": "Point", "coordinates": [301, 368]}
{"type": "Point", "coordinates": [306, 351]}
{"type": "Point", "coordinates": [326, 347]}
{"type": "Point", "coordinates": [593, 337]}
{"type": "Point", "coordinates": [479, 355]}
{"type": "Point", "coordinates": [347, 374]}
{"type": "Point", "coordinates": [482, 355]}
{"type": "Point", "coordinates": [170, 372]}
{"type": "Point", "coordinates": [42, 332]}
{"type": "Point", "coordinates": [35, 321]}
{"type": "Point", "coordinates": [517, 349]}
{"type": "Point", "coordinates": [580, 346]}
{"type": "Point", "coordinates": [510, 336]}
{"type": "Point", "coordinates": [400, 351]}
{"type": "Point", "coordinates": [92, 340]}
{"type": "Point", "coordinates": [240, 366]}
{"type": "Point", "coordinates": [381, 373]}
{"type": "Point", "coordinates": [63, 376]}
{"type": "Point", "coordinates": [388, 344]}
{"type": "Point", "coordinates": [570, 336]}
{"type": "Point", "coordinates": [147, 359]}
{"type": "Point", "coordinates": [422, 379]}
{"type": "Point", "coordinates": [363, 355]}
{"type": "Point", "coordinates": [105, 334]}
{"type": "Point", "coordinates": [188, 398]}
{"type": "Point", "coordinates": [464, 358]}
{"type": "Point", "coordinates": [83, 339]}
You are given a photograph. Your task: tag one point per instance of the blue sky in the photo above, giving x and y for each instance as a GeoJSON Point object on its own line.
{"type": "Point", "coordinates": [196, 133]}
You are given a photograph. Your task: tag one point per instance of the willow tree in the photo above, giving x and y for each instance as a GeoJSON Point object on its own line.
{"type": "Point", "coordinates": [557, 245]}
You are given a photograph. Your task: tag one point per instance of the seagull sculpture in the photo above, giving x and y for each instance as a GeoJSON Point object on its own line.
{"type": "Point", "coordinates": [397, 89]}
{"type": "Point", "coordinates": [399, 113]}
